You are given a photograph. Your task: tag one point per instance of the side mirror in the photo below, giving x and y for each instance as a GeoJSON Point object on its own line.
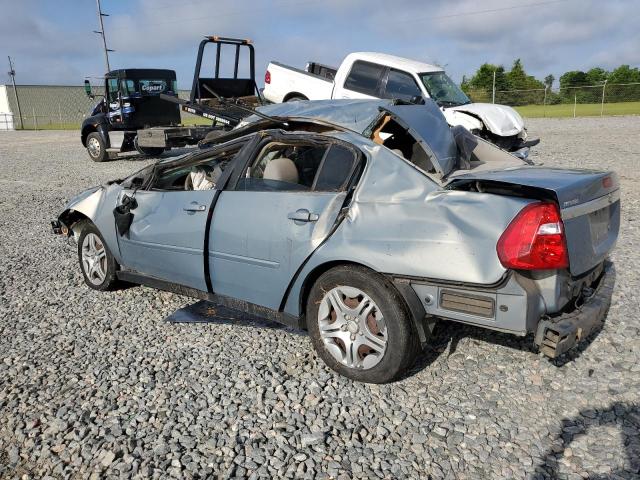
{"type": "Point", "coordinates": [418, 100]}
{"type": "Point", "coordinates": [87, 89]}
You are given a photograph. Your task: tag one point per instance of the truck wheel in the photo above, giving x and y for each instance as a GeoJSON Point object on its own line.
{"type": "Point", "coordinates": [96, 148]}
{"type": "Point", "coordinates": [297, 98]}
{"type": "Point", "coordinates": [96, 261]}
{"type": "Point", "coordinates": [149, 151]}
{"type": "Point", "coordinates": [360, 326]}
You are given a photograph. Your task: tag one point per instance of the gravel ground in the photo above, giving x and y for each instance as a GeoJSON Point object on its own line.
{"type": "Point", "coordinates": [98, 384]}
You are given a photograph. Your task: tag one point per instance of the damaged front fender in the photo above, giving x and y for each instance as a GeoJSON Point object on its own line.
{"type": "Point", "coordinates": [95, 204]}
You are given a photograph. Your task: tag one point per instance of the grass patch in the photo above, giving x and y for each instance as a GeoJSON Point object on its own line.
{"type": "Point", "coordinates": [582, 110]}
{"type": "Point", "coordinates": [562, 110]}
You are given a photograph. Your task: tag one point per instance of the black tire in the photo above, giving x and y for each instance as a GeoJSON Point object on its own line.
{"type": "Point", "coordinates": [402, 343]}
{"type": "Point", "coordinates": [108, 265]}
{"type": "Point", "coordinates": [96, 148]}
{"type": "Point", "coordinates": [149, 151]}
{"type": "Point", "coordinates": [297, 98]}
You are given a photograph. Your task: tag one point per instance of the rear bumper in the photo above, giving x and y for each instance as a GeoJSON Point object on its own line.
{"type": "Point", "coordinates": [556, 335]}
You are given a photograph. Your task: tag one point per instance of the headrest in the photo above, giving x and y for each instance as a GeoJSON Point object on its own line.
{"type": "Point", "coordinates": [281, 169]}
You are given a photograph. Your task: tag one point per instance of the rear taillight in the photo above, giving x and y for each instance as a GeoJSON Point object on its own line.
{"type": "Point", "coordinates": [267, 77]}
{"type": "Point", "coordinates": [534, 240]}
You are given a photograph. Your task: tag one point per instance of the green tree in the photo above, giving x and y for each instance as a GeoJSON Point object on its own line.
{"type": "Point", "coordinates": [573, 78]}
{"type": "Point", "coordinates": [596, 76]}
{"type": "Point", "coordinates": [479, 87]}
{"type": "Point", "coordinates": [519, 80]}
{"type": "Point", "coordinates": [548, 81]}
{"type": "Point", "coordinates": [483, 78]}
{"type": "Point", "coordinates": [623, 93]}
{"type": "Point", "coordinates": [624, 74]}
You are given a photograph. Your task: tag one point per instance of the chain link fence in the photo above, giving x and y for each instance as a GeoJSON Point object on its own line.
{"type": "Point", "coordinates": [59, 107]}
{"type": "Point", "coordinates": [65, 107]}
{"type": "Point", "coordinates": [586, 100]}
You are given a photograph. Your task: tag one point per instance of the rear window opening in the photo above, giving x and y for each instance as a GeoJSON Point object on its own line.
{"type": "Point", "coordinates": [397, 139]}
{"type": "Point", "coordinates": [471, 152]}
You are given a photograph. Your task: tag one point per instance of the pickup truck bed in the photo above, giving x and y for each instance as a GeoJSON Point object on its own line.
{"type": "Point", "coordinates": [304, 86]}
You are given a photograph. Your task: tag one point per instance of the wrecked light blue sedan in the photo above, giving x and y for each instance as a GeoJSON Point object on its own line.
{"type": "Point", "coordinates": [362, 222]}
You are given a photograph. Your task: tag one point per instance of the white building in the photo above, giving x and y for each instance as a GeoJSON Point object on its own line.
{"type": "Point", "coordinates": [6, 117]}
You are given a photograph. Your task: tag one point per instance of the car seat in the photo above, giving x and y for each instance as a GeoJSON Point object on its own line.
{"type": "Point", "coordinates": [281, 169]}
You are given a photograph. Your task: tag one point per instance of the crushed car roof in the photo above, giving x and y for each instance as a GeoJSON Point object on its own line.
{"type": "Point", "coordinates": [425, 122]}
{"type": "Point", "coordinates": [354, 115]}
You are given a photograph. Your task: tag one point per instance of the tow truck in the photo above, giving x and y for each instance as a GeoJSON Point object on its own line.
{"type": "Point", "coordinates": [140, 109]}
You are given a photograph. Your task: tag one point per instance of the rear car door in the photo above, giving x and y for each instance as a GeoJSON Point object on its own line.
{"type": "Point", "coordinates": [166, 237]}
{"type": "Point", "coordinates": [283, 204]}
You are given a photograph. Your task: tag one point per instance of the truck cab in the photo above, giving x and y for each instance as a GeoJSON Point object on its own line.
{"type": "Point", "coordinates": [131, 102]}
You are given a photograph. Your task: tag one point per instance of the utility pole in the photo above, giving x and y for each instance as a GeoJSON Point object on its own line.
{"type": "Point", "coordinates": [101, 32]}
{"type": "Point", "coordinates": [493, 96]}
{"type": "Point", "coordinates": [12, 74]}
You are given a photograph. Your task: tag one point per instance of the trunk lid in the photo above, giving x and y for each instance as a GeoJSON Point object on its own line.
{"type": "Point", "coordinates": [589, 203]}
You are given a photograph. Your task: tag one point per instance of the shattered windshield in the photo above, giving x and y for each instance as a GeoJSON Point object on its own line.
{"type": "Point", "coordinates": [442, 89]}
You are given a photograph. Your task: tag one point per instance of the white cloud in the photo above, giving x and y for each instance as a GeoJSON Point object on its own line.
{"type": "Point", "coordinates": [549, 38]}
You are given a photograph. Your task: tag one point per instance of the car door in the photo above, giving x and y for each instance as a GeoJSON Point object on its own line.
{"type": "Point", "coordinates": [362, 81]}
{"type": "Point", "coordinates": [266, 225]}
{"type": "Point", "coordinates": [400, 85]}
{"type": "Point", "coordinates": [114, 102]}
{"type": "Point", "coordinates": [166, 237]}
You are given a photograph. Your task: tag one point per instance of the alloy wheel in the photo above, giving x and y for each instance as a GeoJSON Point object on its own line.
{"type": "Point", "coordinates": [352, 327]}
{"type": "Point", "coordinates": [94, 259]}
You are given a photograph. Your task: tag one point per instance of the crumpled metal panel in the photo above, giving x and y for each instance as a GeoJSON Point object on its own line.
{"type": "Point", "coordinates": [402, 222]}
{"type": "Point", "coordinates": [353, 114]}
{"type": "Point", "coordinates": [97, 204]}
{"type": "Point", "coordinates": [499, 119]}
{"type": "Point", "coordinates": [428, 126]}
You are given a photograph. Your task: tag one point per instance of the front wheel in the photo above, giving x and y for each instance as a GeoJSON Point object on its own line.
{"type": "Point", "coordinates": [96, 148]}
{"type": "Point", "coordinates": [149, 151]}
{"type": "Point", "coordinates": [96, 261]}
{"type": "Point", "coordinates": [360, 326]}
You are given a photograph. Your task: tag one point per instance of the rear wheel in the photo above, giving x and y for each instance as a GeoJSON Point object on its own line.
{"type": "Point", "coordinates": [360, 326]}
{"type": "Point", "coordinates": [150, 151]}
{"type": "Point", "coordinates": [297, 98]}
{"type": "Point", "coordinates": [96, 147]}
{"type": "Point", "coordinates": [96, 261]}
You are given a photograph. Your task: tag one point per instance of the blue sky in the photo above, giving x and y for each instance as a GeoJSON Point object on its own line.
{"type": "Point", "coordinates": [52, 41]}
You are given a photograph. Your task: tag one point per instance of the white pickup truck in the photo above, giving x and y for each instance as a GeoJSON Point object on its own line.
{"type": "Point", "coordinates": [378, 75]}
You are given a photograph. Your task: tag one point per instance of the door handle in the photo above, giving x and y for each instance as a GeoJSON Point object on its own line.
{"type": "Point", "coordinates": [303, 216]}
{"type": "Point", "coordinates": [195, 207]}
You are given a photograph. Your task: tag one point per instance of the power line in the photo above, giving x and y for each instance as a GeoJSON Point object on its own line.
{"type": "Point", "coordinates": [297, 3]}
{"type": "Point", "coordinates": [480, 12]}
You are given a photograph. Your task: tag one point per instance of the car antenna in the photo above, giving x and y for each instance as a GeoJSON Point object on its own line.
{"type": "Point", "coordinates": [226, 102]}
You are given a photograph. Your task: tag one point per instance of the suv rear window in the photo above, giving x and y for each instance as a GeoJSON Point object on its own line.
{"type": "Point", "coordinates": [364, 77]}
